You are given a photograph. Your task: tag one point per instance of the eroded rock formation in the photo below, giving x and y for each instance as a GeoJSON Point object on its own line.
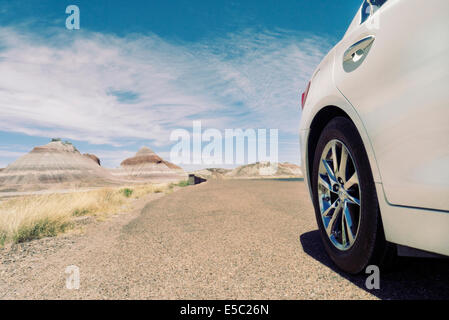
{"type": "Point", "coordinates": [53, 164]}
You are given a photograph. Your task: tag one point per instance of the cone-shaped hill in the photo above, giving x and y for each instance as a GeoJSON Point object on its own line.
{"type": "Point", "coordinates": [148, 166]}
{"type": "Point", "coordinates": [52, 165]}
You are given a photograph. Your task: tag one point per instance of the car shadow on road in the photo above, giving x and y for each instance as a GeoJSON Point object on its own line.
{"type": "Point", "coordinates": [411, 278]}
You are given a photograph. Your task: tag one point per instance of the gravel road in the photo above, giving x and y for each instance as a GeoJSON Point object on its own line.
{"type": "Point", "coordinates": [249, 239]}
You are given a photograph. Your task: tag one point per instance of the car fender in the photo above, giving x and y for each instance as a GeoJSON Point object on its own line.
{"type": "Point", "coordinates": [323, 94]}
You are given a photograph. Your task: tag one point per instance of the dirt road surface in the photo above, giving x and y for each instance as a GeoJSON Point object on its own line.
{"type": "Point", "coordinates": [219, 240]}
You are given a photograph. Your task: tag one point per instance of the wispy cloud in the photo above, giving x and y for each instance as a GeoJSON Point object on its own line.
{"type": "Point", "coordinates": [107, 89]}
{"type": "Point", "coordinates": [9, 154]}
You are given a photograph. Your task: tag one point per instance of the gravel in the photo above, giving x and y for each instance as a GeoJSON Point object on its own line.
{"type": "Point", "coordinates": [231, 239]}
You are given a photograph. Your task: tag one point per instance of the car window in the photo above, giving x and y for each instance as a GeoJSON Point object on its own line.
{"type": "Point", "coordinates": [370, 7]}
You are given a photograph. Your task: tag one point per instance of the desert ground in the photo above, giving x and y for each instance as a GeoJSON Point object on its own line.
{"type": "Point", "coordinates": [224, 239]}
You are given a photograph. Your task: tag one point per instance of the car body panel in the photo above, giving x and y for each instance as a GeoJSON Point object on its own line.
{"type": "Point", "coordinates": [323, 93]}
{"type": "Point", "coordinates": [426, 230]}
{"type": "Point", "coordinates": [400, 92]}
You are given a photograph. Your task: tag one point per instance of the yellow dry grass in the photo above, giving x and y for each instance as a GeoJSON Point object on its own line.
{"type": "Point", "coordinates": [33, 217]}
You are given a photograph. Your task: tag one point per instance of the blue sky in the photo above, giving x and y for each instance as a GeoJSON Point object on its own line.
{"type": "Point", "coordinates": [137, 70]}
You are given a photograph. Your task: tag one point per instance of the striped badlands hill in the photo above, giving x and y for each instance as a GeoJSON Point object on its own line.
{"type": "Point", "coordinates": [253, 171]}
{"type": "Point", "coordinates": [266, 169]}
{"type": "Point", "coordinates": [148, 166]}
{"type": "Point", "coordinates": [55, 165]}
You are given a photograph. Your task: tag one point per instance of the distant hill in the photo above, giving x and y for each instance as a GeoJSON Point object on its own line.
{"type": "Point", "coordinates": [255, 170]}
{"type": "Point", "coordinates": [146, 165]}
{"type": "Point", "coordinates": [212, 173]}
{"type": "Point", "coordinates": [59, 165]}
{"type": "Point", "coordinates": [55, 165]}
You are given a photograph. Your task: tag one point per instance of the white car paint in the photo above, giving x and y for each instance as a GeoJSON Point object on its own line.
{"type": "Point", "coordinates": [398, 98]}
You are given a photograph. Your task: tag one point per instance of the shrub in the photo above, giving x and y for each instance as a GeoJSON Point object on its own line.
{"type": "Point", "coordinates": [183, 184]}
{"type": "Point", "coordinates": [40, 229]}
{"type": "Point", "coordinates": [3, 236]}
{"type": "Point", "coordinates": [80, 212]}
{"type": "Point", "coordinates": [127, 192]}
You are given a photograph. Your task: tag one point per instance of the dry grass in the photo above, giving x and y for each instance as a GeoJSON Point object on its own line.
{"type": "Point", "coordinates": [33, 217]}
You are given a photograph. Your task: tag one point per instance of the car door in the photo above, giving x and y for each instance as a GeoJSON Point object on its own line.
{"type": "Point", "coordinates": [393, 67]}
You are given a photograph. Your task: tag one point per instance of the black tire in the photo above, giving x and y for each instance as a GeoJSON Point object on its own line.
{"type": "Point", "coordinates": [370, 246]}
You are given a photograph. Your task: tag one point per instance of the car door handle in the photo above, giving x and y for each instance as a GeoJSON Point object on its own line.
{"type": "Point", "coordinates": [356, 54]}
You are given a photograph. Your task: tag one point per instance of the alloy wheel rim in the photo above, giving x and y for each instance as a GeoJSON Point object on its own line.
{"type": "Point", "coordinates": [339, 195]}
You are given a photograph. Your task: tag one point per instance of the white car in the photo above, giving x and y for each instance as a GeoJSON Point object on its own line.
{"type": "Point", "coordinates": [375, 135]}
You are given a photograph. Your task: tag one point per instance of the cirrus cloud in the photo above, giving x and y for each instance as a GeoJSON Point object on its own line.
{"type": "Point", "coordinates": [107, 89]}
